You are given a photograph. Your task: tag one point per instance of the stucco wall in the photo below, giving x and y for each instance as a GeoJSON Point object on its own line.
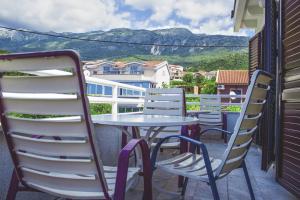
{"type": "Point", "coordinates": [162, 75]}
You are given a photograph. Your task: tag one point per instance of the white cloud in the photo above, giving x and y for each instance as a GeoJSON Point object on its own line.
{"type": "Point", "coordinates": [211, 17]}
{"type": "Point", "coordinates": [63, 15]}
{"type": "Point", "coordinates": [200, 16]}
{"type": "Point", "coordinates": [219, 26]}
{"type": "Point", "coordinates": [198, 10]}
{"type": "Point", "coordinates": [162, 9]}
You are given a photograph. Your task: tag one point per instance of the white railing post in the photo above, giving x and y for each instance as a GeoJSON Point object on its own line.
{"type": "Point", "coordinates": [114, 108]}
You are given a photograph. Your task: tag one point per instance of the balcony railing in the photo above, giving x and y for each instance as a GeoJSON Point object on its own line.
{"type": "Point", "coordinates": [226, 100]}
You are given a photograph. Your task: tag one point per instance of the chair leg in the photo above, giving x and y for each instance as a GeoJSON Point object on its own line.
{"type": "Point", "coordinates": [184, 186]}
{"type": "Point", "coordinates": [13, 187]}
{"type": "Point", "coordinates": [248, 180]}
{"type": "Point", "coordinates": [214, 189]}
{"type": "Point", "coordinates": [213, 185]}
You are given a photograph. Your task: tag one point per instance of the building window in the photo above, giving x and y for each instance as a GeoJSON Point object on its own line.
{"type": "Point", "coordinates": [235, 91]}
{"type": "Point", "coordinates": [110, 70]}
{"type": "Point", "coordinates": [136, 69]}
{"type": "Point", "coordinates": [94, 89]}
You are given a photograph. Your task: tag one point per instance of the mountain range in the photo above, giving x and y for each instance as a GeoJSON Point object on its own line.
{"type": "Point", "coordinates": [15, 41]}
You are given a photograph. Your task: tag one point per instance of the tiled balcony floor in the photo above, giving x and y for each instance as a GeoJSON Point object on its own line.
{"type": "Point", "coordinates": [231, 187]}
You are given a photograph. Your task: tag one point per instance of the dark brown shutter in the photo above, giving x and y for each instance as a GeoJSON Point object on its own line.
{"type": "Point", "coordinates": [289, 159]}
{"type": "Point", "coordinates": [267, 128]}
{"type": "Point", "coordinates": [255, 53]}
{"type": "Point", "coordinates": [256, 56]}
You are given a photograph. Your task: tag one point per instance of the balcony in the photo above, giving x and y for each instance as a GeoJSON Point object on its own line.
{"type": "Point", "coordinates": [231, 187]}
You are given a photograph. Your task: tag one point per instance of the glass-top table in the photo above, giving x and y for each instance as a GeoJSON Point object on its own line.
{"type": "Point", "coordinates": [141, 120]}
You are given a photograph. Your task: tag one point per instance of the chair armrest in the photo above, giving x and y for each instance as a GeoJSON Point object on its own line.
{"type": "Point", "coordinates": [216, 129]}
{"type": "Point", "coordinates": [123, 164]}
{"type": "Point", "coordinates": [187, 139]}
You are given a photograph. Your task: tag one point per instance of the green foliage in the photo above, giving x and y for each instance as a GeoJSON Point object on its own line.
{"type": "Point", "coordinates": [207, 62]}
{"type": "Point", "coordinates": [233, 108]}
{"type": "Point", "coordinates": [176, 83]}
{"type": "Point", "coordinates": [3, 51]}
{"type": "Point", "coordinates": [31, 116]}
{"type": "Point", "coordinates": [188, 78]}
{"type": "Point", "coordinates": [97, 109]}
{"type": "Point", "coordinates": [192, 107]}
{"type": "Point", "coordinates": [209, 87]}
{"type": "Point", "coordinates": [198, 80]}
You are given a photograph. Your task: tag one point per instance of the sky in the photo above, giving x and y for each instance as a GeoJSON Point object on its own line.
{"type": "Point", "coordinates": [199, 16]}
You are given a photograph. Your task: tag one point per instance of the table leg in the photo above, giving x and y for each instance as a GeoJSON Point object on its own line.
{"type": "Point", "coordinates": [195, 134]}
{"type": "Point", "coordinates": [224, 126]}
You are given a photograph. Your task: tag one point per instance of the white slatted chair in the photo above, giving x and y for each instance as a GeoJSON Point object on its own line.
{"type": "Point", "coordinates": [210, 112]}
{"type": "Point", "coordinates": [202, 167]}
{"type": "Point", "coordinates": [160, 101]}
{"type": "Point", "coordinates": [210, 105]}
{"type": "Point", "coordinates": [58, 155]}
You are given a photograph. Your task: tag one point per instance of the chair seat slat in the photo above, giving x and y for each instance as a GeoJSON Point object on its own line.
{"type": "Point", "coordinates": [56, 159]}
{"type": "Point", "coordinates": [64, 129]}
{"type": "Point", "coordinates": [232, 165]}
{"type": "Point", "coordinates": [164, 91]}
{"type": "Point", "coordinates": [44, 107]}
{"type": "Point", "coordinates": [36, 64]}
{"type": "Point", "coordinates": [39, 96]}
{"type": "Point", "coordinates": [53, 148]}
{"type": "Point", "coordinates": [58, 167]}
{"type": "Point", "coordinates": [161, 112]}
{"type": "Point", "coordinates": [42, 140]}
{"type": "Point", "coordinates": [254, 108]}
{"type": "Point", "coordinates": [68, 193]}
{"type": "Point", "coordinates": [165, 105]}
{"type": "Point", "coordinates": [262, 79]}
{"type": "Point", "coordinates": [40, 84]}
{"type": "Point", "coordinates": [171, 98]}
{"type": "Point", "coordinates": [250, 122]}
{"type": "Point", "coordinates": [237, 151]}
{"type": "Point", "coordinates": [259, 93]}
{"type": "Point", "coordinates": [61, 175]}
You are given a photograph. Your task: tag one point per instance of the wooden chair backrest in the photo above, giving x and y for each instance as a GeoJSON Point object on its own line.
{"type": "Point", "coordinates": [161, 101]}
{"type": "Point", "coordinates": [247, 122]}
{"type": "Point", "coordinates": [211, 104]}
{"type": "Point", "coordinates": [53, 150]}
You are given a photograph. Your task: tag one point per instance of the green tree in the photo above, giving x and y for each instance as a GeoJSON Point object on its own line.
{"type": "Point", "coordinates": [209, 87]}
{"type": "Point", "coordinates": [188, 78]}
{"type": "Point", "coordinates": [198, 80]}
{"type": "Point", "coordinates": [97, 109]}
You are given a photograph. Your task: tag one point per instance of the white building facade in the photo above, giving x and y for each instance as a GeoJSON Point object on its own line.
{"type": "Point", "coordinates": [146, 74]}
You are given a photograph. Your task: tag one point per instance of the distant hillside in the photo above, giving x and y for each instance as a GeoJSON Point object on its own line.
{"type": "Point", "coordinates": [206, 62]}
{"type": "Point", "coordinates": [23, 42]}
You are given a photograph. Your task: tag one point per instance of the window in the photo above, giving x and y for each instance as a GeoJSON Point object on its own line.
{"type": "Point", "coordinates": [92, 88]}
{"type": "Point", "coordinates": [107, 90]}
{"type": "Point", "coordinates": [99, 89]}
{"type": "Point", "coordinates": [235, 91]}
{"type": "Point", "coordinates": [221, 87]}
{"type": "Point", "coordinates": [136, 69]}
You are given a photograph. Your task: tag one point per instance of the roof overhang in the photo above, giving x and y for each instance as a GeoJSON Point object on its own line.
{"type": "Point", "coordinates": [248, 14]}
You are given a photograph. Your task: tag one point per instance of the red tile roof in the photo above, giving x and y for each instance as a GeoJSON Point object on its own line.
{"type": "Point", "coordinates": [233, 77]}
{"type": "Point", "coordinates": [152, 63]}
